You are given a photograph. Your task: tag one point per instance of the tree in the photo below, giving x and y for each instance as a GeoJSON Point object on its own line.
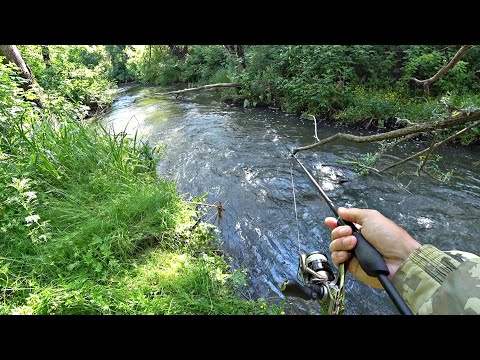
{"type": "Point", "coordinates": [46, 55]}
{"type": "Point", "coordinates": [179, 51]}
{"type": "Point", "coordinates": [12, 54]}
{"type": "Point", "coordinates": [119, 57]}
{"type": "Point", "coordinates": [239, 52]}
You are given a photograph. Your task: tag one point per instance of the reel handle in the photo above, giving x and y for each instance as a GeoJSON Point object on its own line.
{"type": "Point", "coordinates": [291, 287]}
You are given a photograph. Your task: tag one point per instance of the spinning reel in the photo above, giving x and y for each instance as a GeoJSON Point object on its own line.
{"type": "Point", "coordinates": [316, 281]}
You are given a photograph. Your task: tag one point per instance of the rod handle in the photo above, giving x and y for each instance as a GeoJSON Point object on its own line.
{"type": "Point", "coordinates": [369, 258]}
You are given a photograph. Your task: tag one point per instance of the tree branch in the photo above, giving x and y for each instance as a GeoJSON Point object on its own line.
{"type": "Point", "coordinates": [12, 54]}
{"type": "Point", "coordinates": [432, 146]}
{"type": "Point", "coordinates": [415, 129]}
{"type": "Point", "coordinates": [458, 56]}
{"type": "Point", "coordinates": [204, 87]}
{"type": "Point", "coordinates": [475, 124]}
{"type": "Point", "coordinates": [390, 147]}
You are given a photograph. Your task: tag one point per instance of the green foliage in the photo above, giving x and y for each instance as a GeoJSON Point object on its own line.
{"type": "Point", "coordinates": [348, 83]}
{"type": "Point", "coordinates": [314, 79]}
{"type": "Point", "coordinates": [422, 62]}
{"type": "Point", "coordinates": [202, 65]}
{"type": "Point", "coordinates": [157, 66]}
{"type": "Point", "coordinates": [432, 167]}
{"type": "Point", "coordinates": [354, 83]}
{"type": "Point", "coordinates": [385, 105]}
{"type": "Point", "coordinates": [361, 165]}
{"type": "Point", "coordinates": [77, 79]}
{"type": "Point", "coordinates": [119, 70]}
{"type": "Point", "coordinates": [87, 228]}
{"type": "Point", "coordinates": [90, 56]}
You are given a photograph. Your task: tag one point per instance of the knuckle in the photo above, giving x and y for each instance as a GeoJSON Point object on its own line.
{"type": "Point", "coordinates": [374, 212]}
{"type": "Point", "coordinates": [332, 246]}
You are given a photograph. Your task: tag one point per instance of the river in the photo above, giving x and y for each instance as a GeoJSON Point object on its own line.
{"type": "Point", "coordinates": [239, 157]}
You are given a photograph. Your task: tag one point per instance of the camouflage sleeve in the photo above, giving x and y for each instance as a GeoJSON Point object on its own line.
{"type": "Point", "coordinates": [437, 282]}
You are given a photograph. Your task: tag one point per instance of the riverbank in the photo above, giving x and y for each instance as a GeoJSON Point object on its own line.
{"type": "Point", "coordinates": [87, 227]}
{"type": "Point", "coordinates": [374, 86]}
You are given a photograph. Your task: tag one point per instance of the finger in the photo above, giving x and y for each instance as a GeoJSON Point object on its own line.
{"type": "Point", "coordinates": [341, 231]}
{"type": "Point", "coordinates": [331, 222]}
{"type": "Point", "coordinates": [345, 243]}
{"type": "Point", "coordinates": [339, 257]}
{"type": "Point", "coordinates": [354, 214]}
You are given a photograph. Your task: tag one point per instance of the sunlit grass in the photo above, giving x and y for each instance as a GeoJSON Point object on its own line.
{"type": "Point", "coordinates": [86, 227]}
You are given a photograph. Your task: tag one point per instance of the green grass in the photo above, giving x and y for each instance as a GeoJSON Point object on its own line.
{"type": "Point", "coordinates": [86, 227]}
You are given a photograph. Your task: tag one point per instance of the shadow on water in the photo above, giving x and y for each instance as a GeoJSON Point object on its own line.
{"type": "Point", "coordinates": [237, 157]}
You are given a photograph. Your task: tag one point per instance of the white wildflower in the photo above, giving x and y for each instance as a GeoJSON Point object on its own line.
{"type": "Point", "coordinates": [30, 195]}
{"type": "Point", "coordinates": [32, 218]}
{"type": "Point", "coordinates": [23, 183]}
{"type": "Point", "coordinates": [19, 184]}
{"type": "Point", "coordinates": [43, 238]}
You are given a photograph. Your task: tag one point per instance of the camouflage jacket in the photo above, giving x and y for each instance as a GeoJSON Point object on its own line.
{"type": "Point", "coordinates": [440, 282]}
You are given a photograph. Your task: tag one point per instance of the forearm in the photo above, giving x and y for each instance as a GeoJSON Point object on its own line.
{"type": "Point", "coordinates": [433, 282]}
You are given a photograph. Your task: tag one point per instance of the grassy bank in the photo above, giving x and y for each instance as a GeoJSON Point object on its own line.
{"type": "Point", "coordinates": [86, 227]}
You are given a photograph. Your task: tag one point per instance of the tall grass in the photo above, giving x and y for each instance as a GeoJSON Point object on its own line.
{"type": "Point", "coordinates": [86, 227]}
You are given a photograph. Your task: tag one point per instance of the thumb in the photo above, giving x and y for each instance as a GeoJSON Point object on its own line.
{"type": "Point", "coordinates": [354, 215]}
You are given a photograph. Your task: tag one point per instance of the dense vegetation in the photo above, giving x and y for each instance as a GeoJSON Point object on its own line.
{"type": "Point", "coordinates": [86, 227]}
{"type": "Point", "coordinates": [358, 84]}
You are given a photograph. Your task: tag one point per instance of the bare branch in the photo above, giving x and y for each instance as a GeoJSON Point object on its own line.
{"type": "Point", "coordinates": [432, 146]}
{"type": "Point", "coordinates": [415, 129]}
{"type": "Point", "coordinates": [204, 87]}
{"type": "Point", "coordinates": [315, 122]}
{"type": "Point", "coordinates": [475, 124]}
{"type": "Point", "coordinates": [390, 147]}
{"type": "Point", "coordinates": [458, 56]}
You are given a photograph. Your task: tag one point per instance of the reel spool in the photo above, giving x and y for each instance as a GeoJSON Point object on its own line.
{"type": "Point", "coordinates": [315, 274]}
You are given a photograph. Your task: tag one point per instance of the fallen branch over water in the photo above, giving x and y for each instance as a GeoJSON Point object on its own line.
{"type": "Point", "coordinates": [464, 118]}
{"type": "Point", "coordinates": [432, 146]}
{"type": "Point", "coordinates": [204, 87]}
{"type": "Point", "coordinates": [415, 129]}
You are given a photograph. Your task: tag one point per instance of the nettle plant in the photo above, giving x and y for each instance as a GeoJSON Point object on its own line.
{"type": "Point", "coordinates": [19, 211]}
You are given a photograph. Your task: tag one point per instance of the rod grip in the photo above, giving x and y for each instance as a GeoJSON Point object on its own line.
{"type": "Point", "coordinates": [369, 258]}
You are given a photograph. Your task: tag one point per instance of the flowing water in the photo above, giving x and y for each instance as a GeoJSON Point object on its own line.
{"type": "Point", "coordinates": [237, 156]}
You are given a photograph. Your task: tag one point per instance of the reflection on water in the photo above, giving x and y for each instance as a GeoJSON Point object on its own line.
{"type": "Point", "coordinates": [238, 157]}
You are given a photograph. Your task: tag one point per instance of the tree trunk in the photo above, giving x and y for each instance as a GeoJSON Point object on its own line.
{"type": "Point", "coordinates": [179, 51]}
{"type": "Point", "coordinates": [46, 55]}
{"type": "Point", "coordinates": [458, 56]}
{"type": "Point", "coordinates": [204, 87]}
{"type": "Point", "coordinates": [149, 56]}
{"type": "Point", "coordinates": [239, 52]}
{"type": "Point", "coordinates": [12, 54]}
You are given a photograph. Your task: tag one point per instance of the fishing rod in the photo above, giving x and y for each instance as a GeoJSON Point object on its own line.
{"type": "Point", "coordinates": [318, 276]}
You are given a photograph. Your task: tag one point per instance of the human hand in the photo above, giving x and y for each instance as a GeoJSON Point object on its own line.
{"type": "Point", "coordinates": [390, 240]}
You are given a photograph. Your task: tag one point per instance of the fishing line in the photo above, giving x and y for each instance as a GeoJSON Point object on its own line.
{"type": "Point", "coordinates": [318, 281]}
{"type": "Point", "coordinates": [296, 213]}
